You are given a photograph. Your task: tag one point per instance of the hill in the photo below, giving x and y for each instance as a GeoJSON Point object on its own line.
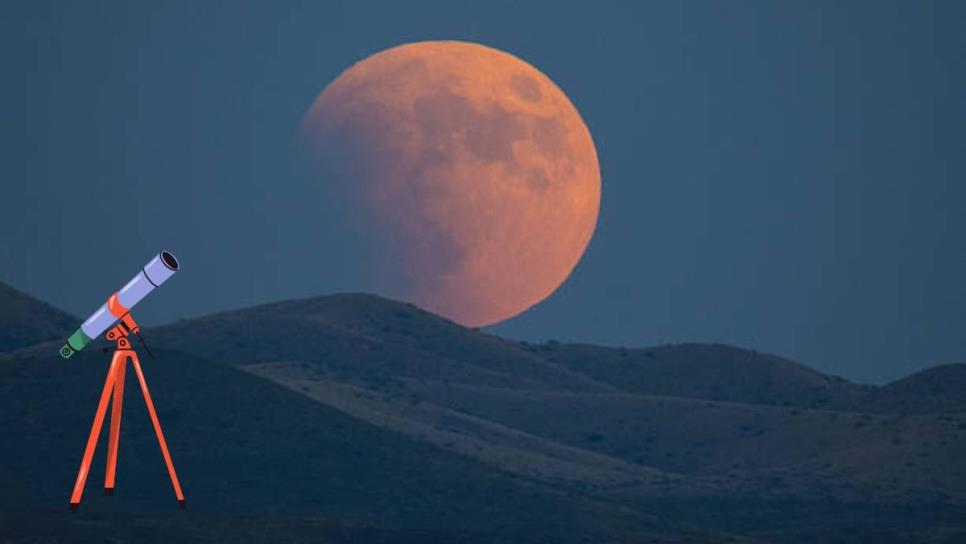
{"type": "Point", "coordinates": [368, 337]}
{"type": "Point", "coordinates": [362, 329]}
{"type": "Point", "coordinates": [705, 371]}
{"type": "Point", "coordinates": [25, 321]}
{"type": "Point", "coordinates": [388, 422]}
{"type": "Point", "coordinates": [246, 447]}
{"type": "Point", "coordinates": [934, 390]}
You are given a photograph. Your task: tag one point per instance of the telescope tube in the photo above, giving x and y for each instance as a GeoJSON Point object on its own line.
{"type": "Point", "coordinates": [152, 275]}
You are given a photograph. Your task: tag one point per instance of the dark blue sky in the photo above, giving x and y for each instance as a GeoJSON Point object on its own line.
{"type": "Point", "coordinates": [789, 177]}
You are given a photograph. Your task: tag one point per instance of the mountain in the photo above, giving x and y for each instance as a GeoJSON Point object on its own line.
{"type": "Point", "coordinates": [934, 390]}
{"type": "Point", "coordinates": [369, 338]}
{"type": "Point", "coordinates": [357, 418]}
{"type": "Point", "coordinates": [25, 321]}
{"type": "Point", "coordinates": [362, 329]}
{"type": "Point", "coordinates": [713, 372]}
{"type": "Point", "coordinates": [247, 447]}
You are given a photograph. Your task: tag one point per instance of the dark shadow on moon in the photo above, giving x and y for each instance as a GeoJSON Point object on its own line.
{"type": "Point", "coordinates": [447, 120]}
{"type": "Point", "coordinates": [548, 135]}
{"type": "Point", "coordinates": [358, 151]}
{"type": "Point", "coordinates": [526, 88]}
{"type": "Point", "coordinates": [391, 137]}
{"type": "Point", "coordinates": [537, 179]}
{"type": "Point", "coordinates": [398, 241]}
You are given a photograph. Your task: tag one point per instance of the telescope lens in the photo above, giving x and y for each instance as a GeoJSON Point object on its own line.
{"type": "Point", "coordinates": [169, 260]}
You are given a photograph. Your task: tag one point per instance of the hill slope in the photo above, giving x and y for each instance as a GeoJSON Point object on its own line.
{"type": "Point", "coordinates": [25, 321]}
{"type": "Point", "coordinates": [366, 335]}
{"type": "Point", "coordinates": [365, 418]}
{"type": "Point", "coordinates": [244, 446]}
{"type": "Point", "coordinates": [357, 334]}
{"type": "Point", "coordinates": [714, 372]}
{"type": "Point", "coordinates": [934, 390]}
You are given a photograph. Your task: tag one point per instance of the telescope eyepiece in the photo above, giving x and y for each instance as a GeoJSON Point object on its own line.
{"type": "Point", "coordinates": [169, 260]}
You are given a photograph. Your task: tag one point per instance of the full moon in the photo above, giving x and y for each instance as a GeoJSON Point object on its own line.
{"type": "Point", "coordinates": [474, 176]}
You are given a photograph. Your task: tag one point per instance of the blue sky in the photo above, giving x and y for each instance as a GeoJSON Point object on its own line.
{"type": "Point", "coordinates": [788, 177]}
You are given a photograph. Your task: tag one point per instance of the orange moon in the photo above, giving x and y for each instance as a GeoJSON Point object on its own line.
{"type": "Point", "coordinates": [477, 178]}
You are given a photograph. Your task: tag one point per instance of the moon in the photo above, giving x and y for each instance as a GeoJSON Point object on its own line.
{"type": "Point", "coordinates": [474, 177]}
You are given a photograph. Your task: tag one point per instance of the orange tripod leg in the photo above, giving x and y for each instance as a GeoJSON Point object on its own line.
{"type": "Point", "coordinates": [113, 442]}
{"type": "Point", "coordinates": [75, 497]}
{"type": "Point", "coordinates": [157, 430]}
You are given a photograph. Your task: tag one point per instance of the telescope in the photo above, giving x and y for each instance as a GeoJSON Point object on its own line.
{"type": "Point", "coordinates": [152, 275]}
{"type": "Point", "coordinates": [118, 307]}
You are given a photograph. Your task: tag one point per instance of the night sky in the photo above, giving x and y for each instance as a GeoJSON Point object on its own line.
{"type": "Point", "coordinates": [784, 176]}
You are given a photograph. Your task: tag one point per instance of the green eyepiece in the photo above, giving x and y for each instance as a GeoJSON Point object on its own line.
{"type": "Point", "coordinates": [75, 343]}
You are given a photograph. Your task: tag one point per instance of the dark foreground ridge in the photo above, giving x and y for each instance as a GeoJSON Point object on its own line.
{"type": "Point", "coordinates": [25, 321]}
{"type": "Point", "coordinates": [352, 418]}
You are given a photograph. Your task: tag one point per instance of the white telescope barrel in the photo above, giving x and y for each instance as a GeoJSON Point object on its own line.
{"type": "Point", "coordinates": [152, 275]}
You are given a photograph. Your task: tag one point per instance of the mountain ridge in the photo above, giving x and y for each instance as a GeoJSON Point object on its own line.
{"type": "Point", "coordinates": [350, 397]}
{"type": "Point", "coordinates": [26, 320]}
{"type": "Point", "coordinates": [309, 306]}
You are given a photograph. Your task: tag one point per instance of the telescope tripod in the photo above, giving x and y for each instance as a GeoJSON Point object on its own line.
{"type": "Point", "coordinates": [115, 384]}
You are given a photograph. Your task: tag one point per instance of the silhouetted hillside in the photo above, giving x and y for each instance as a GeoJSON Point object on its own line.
{"type": "Point", "coordinates": [934, 390]}
{"type": "Point", "coordinates": [25, 321]}
{"type": "Point", "coordinates": [365, 419]}
{"type": "Point", "coordinates": [247, 447]}
{"type": "Point", "coordinates": [363, 329]}
{"type": "Point", "coordinates": [705, 371]}
{"type": "Point", "coordinates": [365, 335]}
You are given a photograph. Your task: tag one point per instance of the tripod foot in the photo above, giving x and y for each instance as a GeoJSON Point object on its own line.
{"type": "Point", "coordinates": [74, 506]}
{"type": "Point", "coordinates": [182, 505]}
{"type": "Point", "coordinates": [108, 491]}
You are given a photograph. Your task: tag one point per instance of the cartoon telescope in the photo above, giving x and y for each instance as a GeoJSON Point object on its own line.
{"type": "Point", "coordinates": [118, 307]}
{"type": "Point", "coordinates": [152, 275]}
